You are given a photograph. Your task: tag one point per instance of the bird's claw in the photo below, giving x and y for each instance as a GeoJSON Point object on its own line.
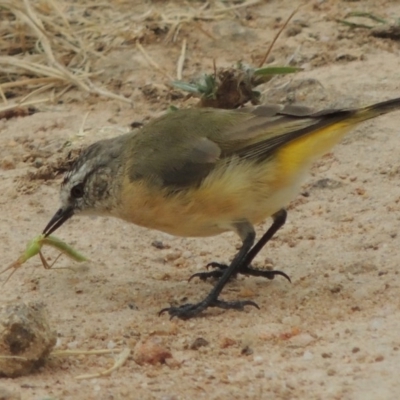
{"type": "Point", "coordinates": [205, 275]}
{"type": "Point", "coordinates": [189, 310]}
{"type": "Point", "coordinates": [214, 264]}
{"type": "Point", "coordinates": [251, 271]}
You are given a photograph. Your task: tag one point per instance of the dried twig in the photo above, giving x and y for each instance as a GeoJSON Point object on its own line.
{"type": "Point", "coordinates": [49, 71]}
{"type": "Point", "coordinates": [9, 107]}
{"type": "Point", "coordinates": [277, 36]}
{"type": "Point", "coordinates": [181, 61]}
{"type": "Point", "coordinates": [50, 46]}
{"type": "Point", "coordinates": [119, 362]}
{"type": "Point", "coordinates": [152, 62]}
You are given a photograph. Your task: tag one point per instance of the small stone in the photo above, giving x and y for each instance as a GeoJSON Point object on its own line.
{"type": "Point", "coordinates": [133, 306]}
{"type": "Point", "coordinates": [327, 183]}
{"type": "Point", "coordinates": [291, 320]}
{"type": "Point", "coordinates": [246, 292]}
{"type": "Point", "coordinates": [187, 254]}
{"type": "Point", "coordinates": [8, 162]}
{"type": "Point", "coordinates": [111, 345]}
{"type": "Point", "coordinates": [150, 351]}
{"type": "Point", "coordinates": [301, 340]}
{"type": "Point", "coordinates": [260, 374]}
{"type": "Point", "coordinates": [346, 57]}
{"type": "Point", "coordinates": [136, 124]}
{"type": "Point", "coordinates": [293, 30]}
{"type": "Point", "coordinates": [158, 244]}
{"type": "Point", "coordinates": [173, 363]}
{"type": "Point", "coordinates": [308, 355]}
{"type": "Point", "coordinates": [180, 262]}
{"type": "Point", "coordinates": [355, 349]}
{"type": "Point", "coordinates": [258, 360]}
{"type": "Point", "coordinates": [227, 342]}
{"type": "Point", "coordinates": [72, 345]}
{"type": "Point", "coordinates": [361, 293]}
{"type": "Point", "coordinates": [173, 255]}
{"type": "Point", "coordinates": [375, 324]}
{"type": "Point", "coordinates": [199, 342]}
{"type": "Point", "coordinates": [38, 163]}
{"type": "Point", "coordinates": [360, 191]}
{"type": "Point", "coordinates": [336, 288]}
{"type": "Point", "coordinates": [331, 372]}
{"type": "Point", "coordinates": [247, 351]}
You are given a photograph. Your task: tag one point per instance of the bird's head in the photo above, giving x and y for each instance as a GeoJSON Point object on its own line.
{"type": "Point", "coordinates": [90, 186]}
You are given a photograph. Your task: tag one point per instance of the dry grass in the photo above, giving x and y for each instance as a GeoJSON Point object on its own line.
{"type": "Point", "coordinates": [50, 46]}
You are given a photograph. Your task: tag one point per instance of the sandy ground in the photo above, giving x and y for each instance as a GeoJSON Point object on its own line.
{"type": "Point", "coordinates": [331, 334]}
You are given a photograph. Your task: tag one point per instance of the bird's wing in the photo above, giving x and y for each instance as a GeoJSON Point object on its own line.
{"type": "Point", "coordinates": [168, 160]}
{"type": "Point", "coordinates": [181, 148]}
{"type": "Point", "coordinates": [260, 136]}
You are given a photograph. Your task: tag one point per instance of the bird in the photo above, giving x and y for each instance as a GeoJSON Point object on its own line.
{"type": "Point", "coordinates": [199, 172]}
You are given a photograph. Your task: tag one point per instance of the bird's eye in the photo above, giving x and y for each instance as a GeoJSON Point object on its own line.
{"type": "Point", "coordinates": [77, 191]}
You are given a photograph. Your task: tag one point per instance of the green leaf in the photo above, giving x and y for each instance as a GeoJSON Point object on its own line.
{"type": "Point", "coordinates": [366, 15]}
{"type": "Point", "coordinates": [172, 108]}
{"type": "Point", "coordinates": [354, 24]}
{"type": "Point", "coordinates": [187, 87]}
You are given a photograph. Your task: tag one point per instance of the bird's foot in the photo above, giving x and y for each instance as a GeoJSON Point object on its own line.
{"type": "Point", "coordinates": [247, 270]}
{"type": "Point", "coordinates": [186, 311]}
{"type": "Point", "coordinates": [216, 273]}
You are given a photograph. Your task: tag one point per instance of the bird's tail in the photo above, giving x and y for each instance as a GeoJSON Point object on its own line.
{"type": "Point", "coordinates": [377, 109]}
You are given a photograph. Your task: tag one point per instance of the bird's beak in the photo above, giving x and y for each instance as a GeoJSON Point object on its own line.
{"type": "Point", "coordinates": [58, 219]}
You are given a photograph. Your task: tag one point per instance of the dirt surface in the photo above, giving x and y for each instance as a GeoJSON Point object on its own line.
{"type": "Point", "coordinates": [331, 334]}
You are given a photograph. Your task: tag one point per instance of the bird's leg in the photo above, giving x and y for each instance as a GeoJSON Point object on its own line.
{"type": "Point", "coordinates": [279, 220]}
{"type": "Point", "coordinates": [186, 311]}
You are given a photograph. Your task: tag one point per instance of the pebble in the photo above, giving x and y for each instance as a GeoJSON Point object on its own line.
{"type": "Point", "coordinates": [247, 351]}
{"type": "Point", "coordinates": [301, 340]}
{"type": "Point", "coordinates": [199, 342]}
{"type": "Point", "coordinates": [158, 244]}
{"type": "Point", "coordinates": [293, 30]}
{"type": "Point", "coordinates": [375, 324]}
{"type": "Point", "coordinates": [150, 351]}
{"type": "Point", "coordinates": [331, 372]}
{"type": "Point", "coordinates": [72, 345]}
{"type": "Point", "coordinates": [291, 320]}
{"type": "Point", "coordinates": [181, 262]}
{"type": "Point", "coordinates": [258, 360]}
{"type": "Point", "coordinates": [246, 292]}
{"type": "Point", "coordinates": [227, 342]}
{"type": "Point", "coordinates": [8, 162]}
{"type": "Point", "coordinates": [260, 374]}
{"type": "Point", "coordinates": [38, 163]}
{"type": "Point", "coordinates": [336, 288]}
{"type": "Point", "coordinates": [111, 345]}
{"type": "Point", "coordinates": [308, 355]}
{"type": "Point", "coordinates": [173, 255]}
